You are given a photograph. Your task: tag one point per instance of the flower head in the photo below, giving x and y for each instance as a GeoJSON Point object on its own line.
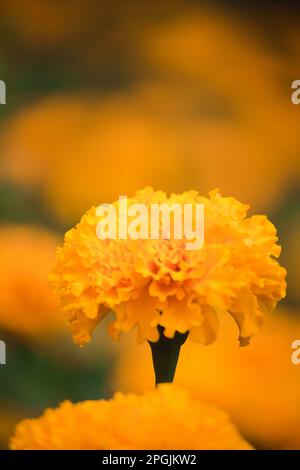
{"type": "Point", "coordinates": [166, 418]}
{"type": "Point", "coordinates": [149, 282]}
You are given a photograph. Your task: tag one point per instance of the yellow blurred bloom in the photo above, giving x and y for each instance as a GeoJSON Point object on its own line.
{"type": "Point", "coordinates": [147, 283]}
{"type": "Point", "coordinates": [27, 304]}
{"type": "Point", "coordinates": [101, 134]}
{"type": "Point", "coordinates": [166, 418]}
{"type": "Point", "coordinates": [258, 386]}
{"type": "Point", "coordinates": [243, 125]}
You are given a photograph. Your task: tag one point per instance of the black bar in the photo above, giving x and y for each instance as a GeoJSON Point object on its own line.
{"type": "Point", "coordinates": [135, 458]}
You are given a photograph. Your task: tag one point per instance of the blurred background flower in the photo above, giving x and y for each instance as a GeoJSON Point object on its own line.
{"type": "Point", "coordinates": [27, 305]}
{"type": "Point", "coordinates": [103, 99]}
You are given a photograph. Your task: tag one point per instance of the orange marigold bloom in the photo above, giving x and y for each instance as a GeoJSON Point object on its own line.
{"type": "Point", "coordinates": [165, 418]}
{"type": "Point", "coordinates": [147, 283]}
{"type": "Point", "coordinates": [27, 304]}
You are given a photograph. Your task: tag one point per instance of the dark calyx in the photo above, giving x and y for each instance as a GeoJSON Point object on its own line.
{"type": "Point", "coordinates": [165, 353]}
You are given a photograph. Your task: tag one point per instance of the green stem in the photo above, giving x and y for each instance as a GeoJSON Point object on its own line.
{"type": "Point", "coordinates": [165, 353]}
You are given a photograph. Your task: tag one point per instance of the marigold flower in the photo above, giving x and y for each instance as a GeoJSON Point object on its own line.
{"type": "Point", "coordinates": [27, 304]}
{"type": "Point", "coordinates": [258, 386]}
{"type": "Point", "coordinates": [151, 283]}
{"type": "Point", "coordinates": [166, 418]}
